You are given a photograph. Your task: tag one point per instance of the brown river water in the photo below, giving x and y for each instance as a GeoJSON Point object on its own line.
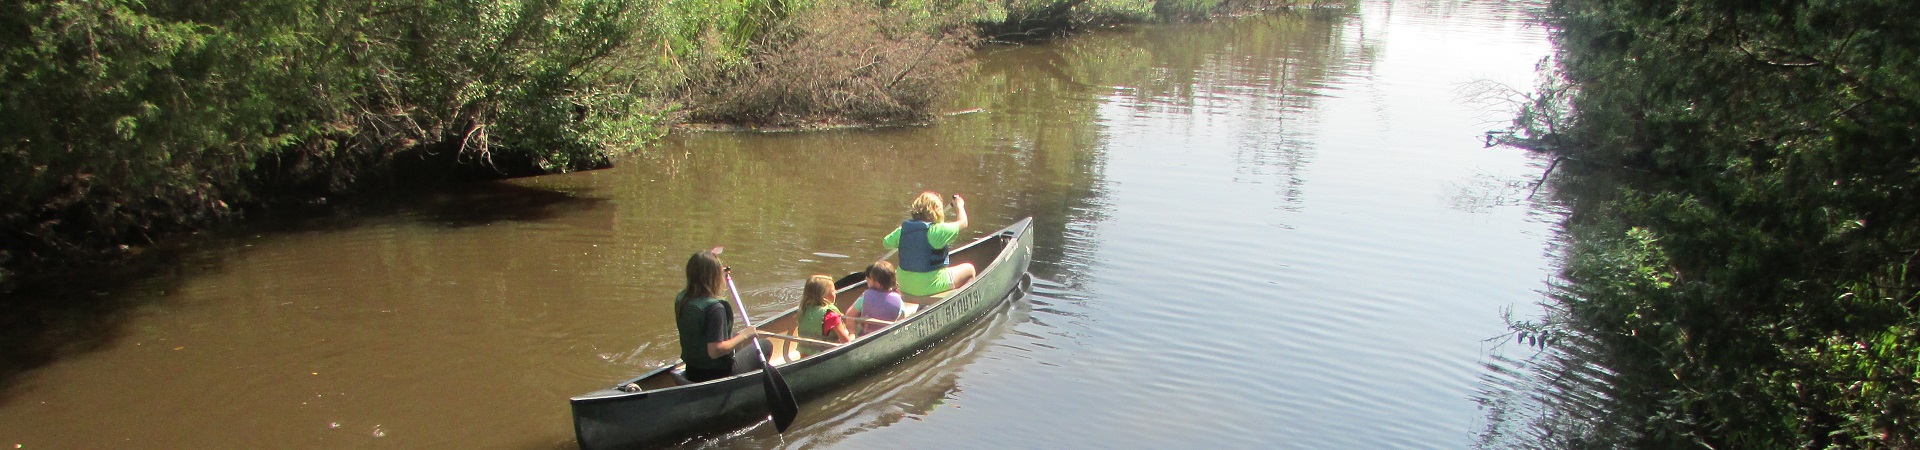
{"type": "Point", "coordinates": [1269, 232]}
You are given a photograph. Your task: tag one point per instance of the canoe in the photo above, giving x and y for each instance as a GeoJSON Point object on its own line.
{"type": "Point", "coordinates": [665, 411]}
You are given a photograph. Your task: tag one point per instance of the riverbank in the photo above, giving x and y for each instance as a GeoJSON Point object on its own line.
{"type": "Point", "coordinates": [1742, 233]}
{"type": "Point", "coordinates": [131, 123]}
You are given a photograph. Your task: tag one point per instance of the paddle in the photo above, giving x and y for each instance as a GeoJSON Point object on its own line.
{"type": "Point", "coordinates": [861, 275]}
{"type": "Point", "coordinates": [779, 396]}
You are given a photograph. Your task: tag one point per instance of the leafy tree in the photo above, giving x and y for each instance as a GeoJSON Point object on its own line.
{"type": "Point", "coordinates": [123, 121]}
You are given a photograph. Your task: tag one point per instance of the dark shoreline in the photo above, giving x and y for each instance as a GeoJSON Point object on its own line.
{"type": "Point", "coordinates": [96, 228]}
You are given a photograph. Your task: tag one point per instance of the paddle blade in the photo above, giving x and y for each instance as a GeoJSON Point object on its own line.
{"type": "Point", "coordinates": [849, 280]}
{"type": "Point", "coordinates": [780, 400]}
{"type": "Point", "coordinates": [779, 397]}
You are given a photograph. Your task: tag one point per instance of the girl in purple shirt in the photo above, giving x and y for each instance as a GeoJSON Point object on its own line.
{"type": "Point", "coordinates": [882, 299]}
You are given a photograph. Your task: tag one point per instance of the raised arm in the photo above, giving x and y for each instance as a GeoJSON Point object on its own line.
{"type": "Point", "coordinates": [960, 210]}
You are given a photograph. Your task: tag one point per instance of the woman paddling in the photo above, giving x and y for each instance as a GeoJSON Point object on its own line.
{"type": "Point", "coordinates": [923, 240]}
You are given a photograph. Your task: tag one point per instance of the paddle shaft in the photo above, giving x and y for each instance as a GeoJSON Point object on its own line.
{"type": "Point", "coordinates": [779, 396]}
{"type": "Point", "coordinates": [860, 276]}
{"type": "Point", "coordinates": [743, 315]}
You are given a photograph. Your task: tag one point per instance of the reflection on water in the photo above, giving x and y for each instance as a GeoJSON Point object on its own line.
{"type": "Point", "coordinates": [1278, 231]}
{"type": "Point", "coordinates": [910, 391]}
{"type": "Point", "coordinates": [1555, 398]}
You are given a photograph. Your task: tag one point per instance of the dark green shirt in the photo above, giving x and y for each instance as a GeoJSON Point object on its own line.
{"type": "Point", "coordinates": [703, 321]}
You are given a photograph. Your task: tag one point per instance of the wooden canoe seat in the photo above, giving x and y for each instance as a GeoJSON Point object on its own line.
{"type": "Point", "coordinates": [784, 352]}
{"type": "Point", "coordinates": [910, 304]}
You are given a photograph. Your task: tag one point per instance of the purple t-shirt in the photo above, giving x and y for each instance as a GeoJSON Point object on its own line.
{"type": "Point", "coordinates": [881, 305]}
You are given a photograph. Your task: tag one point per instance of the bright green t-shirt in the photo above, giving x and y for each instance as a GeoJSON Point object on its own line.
{"type": "Point", "coordinates": [939, 235]}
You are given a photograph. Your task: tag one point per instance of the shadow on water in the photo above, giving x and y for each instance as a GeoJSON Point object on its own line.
{"type": "Point", "coordinates": [1564, 391]}
{"type": "Point", "coordinates": [460, 206]}
{"type": "Point", "coordinates": [47, 320]}
{"type": "Point", "coordinates": [60, 317]}
{"type": "Point", "coordinates": [1556, 398]}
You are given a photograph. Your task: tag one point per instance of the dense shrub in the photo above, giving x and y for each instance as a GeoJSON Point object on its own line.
{"type": "Point", "coordinates": [1749, 261]}
{"type": "Point", "coordinates": [834, 63]}
{"type": "Point", "coordinates": [122, 121]}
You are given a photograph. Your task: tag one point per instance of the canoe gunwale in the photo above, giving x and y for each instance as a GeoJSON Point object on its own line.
{"type": "Point", "coordinates": [1014, 241]}
{"type": "Point", "coordinates": [1008, 234]}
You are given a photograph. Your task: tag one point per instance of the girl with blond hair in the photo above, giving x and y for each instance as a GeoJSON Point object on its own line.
{"type": "Point", "coordinates": [923, 240]}
{"type": "Point", "coordinates": [819, 318]}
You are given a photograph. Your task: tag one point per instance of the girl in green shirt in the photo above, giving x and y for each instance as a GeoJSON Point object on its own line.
{"type": "Point", "coordinates": [923, 241]}
{"type": "Point", "coordinates": [819, 317]}
{"type": "Point", "coordinates": [705, 321]}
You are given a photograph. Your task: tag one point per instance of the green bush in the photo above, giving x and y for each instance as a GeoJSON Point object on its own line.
{"type": "Point", "coordinates": [122, 121]}
{"type": "Point", "coordinates": [1761, 160]}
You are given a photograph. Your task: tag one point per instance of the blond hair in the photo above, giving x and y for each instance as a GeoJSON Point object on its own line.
{"type": "Point", "coordinates": [816, 290]}
{"type": "Point", "coordinates": [928, 208]}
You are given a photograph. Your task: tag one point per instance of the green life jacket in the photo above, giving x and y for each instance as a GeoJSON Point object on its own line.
{"type": "Point", "coordinates": [693, 342]}
{"type": "Point", "coordinates": [812, 328]}
{"type": "Point", "coordinates": [810, 322]}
